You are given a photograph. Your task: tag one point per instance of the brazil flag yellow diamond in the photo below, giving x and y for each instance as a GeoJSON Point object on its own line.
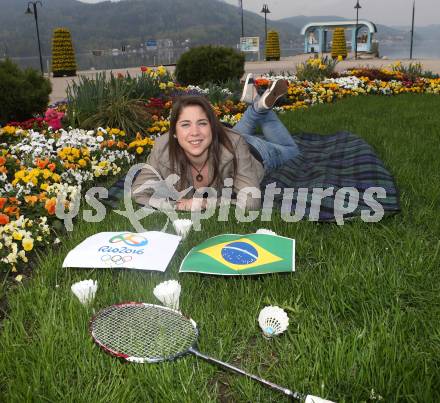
{"type": "Point", "coordinates": [232, 254]}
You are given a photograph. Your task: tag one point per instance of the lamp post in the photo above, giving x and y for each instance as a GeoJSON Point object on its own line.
{"type": "Point", "coordinates": [412, 31]}
{"type": "Point", "coordinates": [357, 7]}
{"type": "Point", "coordinates": [266, 11]}
{"type": "Point", "coordinates": [242, 26]}
{"type": "Point", "coordinates": [28, 11]}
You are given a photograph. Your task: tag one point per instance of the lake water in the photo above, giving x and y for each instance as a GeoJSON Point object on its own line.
{"type": "Point", "coordinates": [87, 61]}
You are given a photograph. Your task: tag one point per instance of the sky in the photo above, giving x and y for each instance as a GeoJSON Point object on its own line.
{"type": "Point", "coordinates": [387, 12]}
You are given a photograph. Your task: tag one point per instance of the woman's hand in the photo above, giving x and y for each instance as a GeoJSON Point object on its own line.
{"type": "Point", "coordinates": [196, 204]}
{"type": "Point", "coordinates": [184, 204]}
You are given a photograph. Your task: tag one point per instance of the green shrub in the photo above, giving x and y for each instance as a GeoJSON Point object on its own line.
{"type": "Point", "coordinates": [114, 102]}
{"type": "Point", "coordinates": [411, 72]}
{"type": "Point", "coordinates": [430, 74]}
{"type": "Point", "coordinates": [130, 115]}
{"type": "Point", "coordinates": [145, 86]}
{"type": "Point", "coordinates": [316, 69]}
{"type": "Point", "coordinates": [86, 95]}
{"type": "Point", "coordinates": [209, 64]}
{"type": "Point", "coordinates": [23, 93]}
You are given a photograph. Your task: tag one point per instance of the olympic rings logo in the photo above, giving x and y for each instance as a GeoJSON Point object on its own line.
{"type": "Point", "coordinates": [116, 259]}
{"type": "Point", "coordinates": [130, 239]}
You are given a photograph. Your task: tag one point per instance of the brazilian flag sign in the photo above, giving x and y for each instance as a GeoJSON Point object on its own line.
{"type": "Point", "coordinates": [235, 255]}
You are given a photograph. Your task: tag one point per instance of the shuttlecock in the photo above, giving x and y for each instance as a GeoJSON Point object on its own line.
{"type": "Point", "coordinates": [168, 293]}
{"type": "Point", "coordinates": [316, 399]}
{"type": "Point", "coordinates": [85, 290]}
{"type": "Point", "coordinates": [265, 231]}
{"type": "Point", "coordinates": [182, 226]}
{"type": "Point", "coordinates": [273, 320]}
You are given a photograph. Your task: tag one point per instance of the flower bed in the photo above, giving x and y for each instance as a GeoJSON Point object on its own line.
{"type": "Point", "coordinates": [37, 167]}
{"type": "Point", "coordinates": [39, 160]}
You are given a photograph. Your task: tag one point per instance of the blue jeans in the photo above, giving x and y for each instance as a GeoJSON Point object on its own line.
{"type": "Point", "coordinates": [277, 146]}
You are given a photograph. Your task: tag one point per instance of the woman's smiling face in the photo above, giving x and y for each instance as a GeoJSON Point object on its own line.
{"type": "Point", "coordinates": [193, 131]}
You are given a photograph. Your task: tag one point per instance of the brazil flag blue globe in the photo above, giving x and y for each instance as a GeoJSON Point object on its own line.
{"type": "Point", "coordinates": [232, 254]}
{"type": "Point", "coordinates": [239, 253]}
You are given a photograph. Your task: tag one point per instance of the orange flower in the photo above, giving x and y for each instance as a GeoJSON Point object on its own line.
{"type": "Point", "coordinates": [12, 211]}
{"type": "Point", "coordinates": [42, 163]}
{"type": "Point", "coordinates": [50, 205]}
{"type": "Point", "coordinates": [52, 166]}
{"type": "Point", "coordinates": [2, 202]}
{"type": "Point", "coordinates": [2, 161]}
{"type": "Point", "coordinates": [4, 219]}
{"type": "Point", "coordinates": [31, 199]}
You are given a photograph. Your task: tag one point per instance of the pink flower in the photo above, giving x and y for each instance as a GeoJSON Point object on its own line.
{"type": "Point", "coordinates": [53, 118]}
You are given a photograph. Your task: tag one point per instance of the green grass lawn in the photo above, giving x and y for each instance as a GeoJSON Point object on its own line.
{"type": "Point", "coordinates": [364, 304]}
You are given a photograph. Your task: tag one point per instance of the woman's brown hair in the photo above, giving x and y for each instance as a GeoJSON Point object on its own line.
{"type": "Point", "coordinates": [178, 159]}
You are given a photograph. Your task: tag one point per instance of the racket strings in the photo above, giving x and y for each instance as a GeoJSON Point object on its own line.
{"type": "Point", "coordinates": [143, 331]}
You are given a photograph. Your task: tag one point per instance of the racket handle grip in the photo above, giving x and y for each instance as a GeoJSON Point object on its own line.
{"type": "Point", "coordinates": [285, 391]}
{"type": "Point", "coordinates": [316, 399]}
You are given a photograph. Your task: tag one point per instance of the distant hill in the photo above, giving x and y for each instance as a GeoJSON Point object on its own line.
{"type": "Point", "coordinates": [108, 25]}
{"type": "Point", "coordinates": [428, 32]}
{"type": "Point", "coordinates": [111, 24]}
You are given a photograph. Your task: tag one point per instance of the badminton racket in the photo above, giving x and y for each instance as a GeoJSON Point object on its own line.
{"type": "Point", "coordinates": [147, 333]}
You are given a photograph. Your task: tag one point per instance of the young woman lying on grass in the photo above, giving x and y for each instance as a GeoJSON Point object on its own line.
{"type": "Point", "coordinates": [204, 153]}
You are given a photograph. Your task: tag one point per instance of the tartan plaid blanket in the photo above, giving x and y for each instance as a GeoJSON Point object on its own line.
{"type": "Point", "coordinates": [341, 160]}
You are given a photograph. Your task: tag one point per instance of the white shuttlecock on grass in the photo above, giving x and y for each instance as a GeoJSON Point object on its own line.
{"type": "Point", "coordinates": [265, 231]}
{"type": "Point", "coordinates": [85, 290]}
{"type": "Point", "coordinates": [273, 320]}
{"type": "Point", "coordinates": [182, 226]}
{"type": "Point", "coordinates": [316, 399]}
{"type": "Point", "coordinates": [168, 293]}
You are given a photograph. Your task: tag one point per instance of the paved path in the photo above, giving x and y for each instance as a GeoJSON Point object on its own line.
{"type": "Point", "coordinates": [59, 84]}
